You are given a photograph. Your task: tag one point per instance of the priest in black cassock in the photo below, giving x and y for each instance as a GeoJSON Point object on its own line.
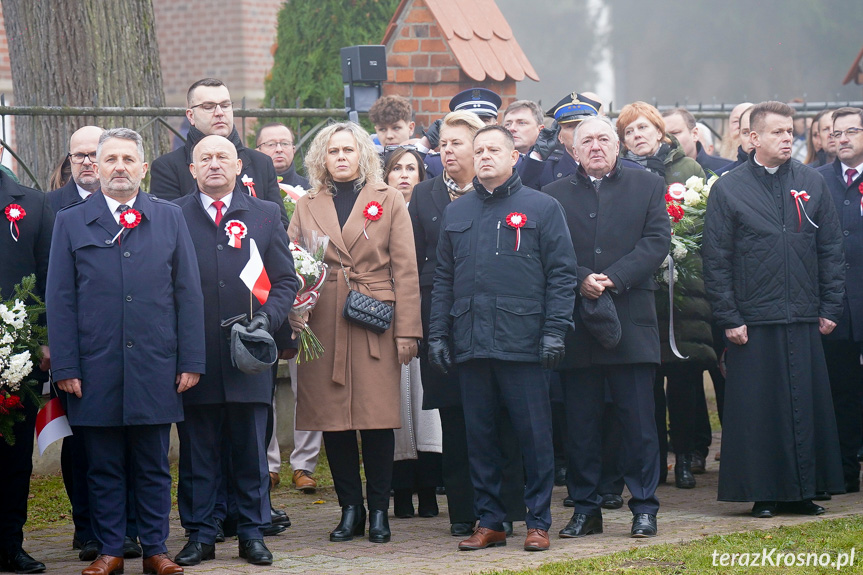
{"type": "Point", "coordinates": [774, 272]}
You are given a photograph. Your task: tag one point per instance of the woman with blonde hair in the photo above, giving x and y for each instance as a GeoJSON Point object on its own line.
{"type": "Point", "coordinates": [354, 386]}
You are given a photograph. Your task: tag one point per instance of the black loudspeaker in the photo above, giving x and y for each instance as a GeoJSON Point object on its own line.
{"type": "Point", "coordinates": [364, 64]}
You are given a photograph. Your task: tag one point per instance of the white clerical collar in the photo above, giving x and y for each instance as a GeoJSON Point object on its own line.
{"type": "Point", "coordinates": [769, 170]}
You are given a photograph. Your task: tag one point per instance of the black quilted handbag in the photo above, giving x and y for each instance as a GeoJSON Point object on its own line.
{"type": "Point", "coordinates": [364, 310]}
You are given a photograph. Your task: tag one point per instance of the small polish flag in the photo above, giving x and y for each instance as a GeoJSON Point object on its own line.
{"type": "Point", "coordinates": [51, 424]}
{"type": "Point", "coordinates": [254, 275]}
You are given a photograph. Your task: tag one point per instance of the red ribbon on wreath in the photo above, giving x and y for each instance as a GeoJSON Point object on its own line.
{"type": "Point", "coordinates": [236, 230]}
{"type": "Point", "coordinates": [517, 221]}
{"type": "Point", "coordinates": [373, 212]}
{"type": "Point", "coordinates": [14, 212]}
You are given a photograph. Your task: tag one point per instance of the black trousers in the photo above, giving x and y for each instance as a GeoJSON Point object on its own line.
{"type": "Point", "coordinates": [145, 449]}
{"type": "Point", "coordinates": [343, 453]}
{"type": "Point", "coordinates": [17, 466]}
{"type": "Point", "coordinates": [523, 389]}
{"type": "Point", "coordinates": [413, 474]}
{"type": "Point", "coordinates": [456, 468]}
{"type": "Point", "coordinates": [631, 388]}
{"type": "Point", "coordinates": [846, 385]}
{"type": "Point", "coordinates": [687, 407]}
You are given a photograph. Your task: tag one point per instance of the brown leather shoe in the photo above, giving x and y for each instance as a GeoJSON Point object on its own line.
{"type": "Point", "coordinates": [303, 481]}
{"type": "Point", "coordinates": [536, 540]}
{"type": "Point", "coordinates": [105, 565]}
{"type": "Point", "coordinates": [274, 479]}
{"type": "Point", "coordinates": [483, 537]}
{"type": "Point", "coordinates": [161, 564]}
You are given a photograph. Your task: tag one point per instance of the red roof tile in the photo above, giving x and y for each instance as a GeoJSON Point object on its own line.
{"type": "Point", "coordinates": [479, 37]}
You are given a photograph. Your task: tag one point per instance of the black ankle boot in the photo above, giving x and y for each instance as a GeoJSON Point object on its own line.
{"type": "Point", "coordinates": [403, 503]}
{"type": "Point", "coordinates": [353, 523]}
{"type": "Point", "coordinates": [683, 478]}
{"type": "Point", "coordinates": [379, 526]}
{"type": "Point", "coordinates": [428, 502]}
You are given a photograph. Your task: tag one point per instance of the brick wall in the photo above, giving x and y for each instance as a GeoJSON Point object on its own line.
{"type": "Point", "coordinates": [421, 67]}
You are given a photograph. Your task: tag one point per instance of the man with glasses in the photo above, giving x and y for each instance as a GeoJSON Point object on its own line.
{"type": "Point", "coordinates": [844, 178]}
{"type": "Point", "coordinates": [277, 141]}
{"type": "Point", "coordinates": [85, 177]}
{"type": "Point", "coordinates": [210, 112]}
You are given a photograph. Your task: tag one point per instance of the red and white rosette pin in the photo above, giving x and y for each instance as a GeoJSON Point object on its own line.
{"type": "Point", "coordinates": [129, 220]}
{"type": "Point", "coordinates": [250, 185]}
{"type": "Point", "coordinates": [236, 230]}
{"type": "Point", "coordinates": [14, 212]}
{"type": "Point", "coordinates": [677, 191]}
{"type": "Point", "coordinates": [373, 212]}
{"type": "Point", "coordinates": [517, 221]}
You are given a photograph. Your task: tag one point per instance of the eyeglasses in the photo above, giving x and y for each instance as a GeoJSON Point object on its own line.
{"type": "Point", "coordinates": [211, 106]}
{"type": "Point", "coordinates": [850, 132]}
{"type": "Point", "coordinates": [272, 145]}
{"type": "Point", "coordinates": [78, 158]}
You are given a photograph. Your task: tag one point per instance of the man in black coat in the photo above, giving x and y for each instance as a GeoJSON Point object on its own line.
{"type": "Point", "coordinates": [680, 123]}
{"type": "Point", "coordinates": [774, 273]}
{"type": "Point", "coordinates": [844, 179]}
{"type": "Point", "coordinates": [502, 301]}
{"type": "Point", "coordinates": [621, 234]}
{"type": "Point", "coordinates": [277, 141]}
{"type": "Point", "coordinates": [28, 254]}
{"type": "Point", "coordinates": [211, 112]}
{"type": "Point", "coordinates": [85, 176]}
{"type": "Point", "coordinates": [227, 401]}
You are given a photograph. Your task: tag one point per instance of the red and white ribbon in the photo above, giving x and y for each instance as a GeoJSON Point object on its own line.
{"type": "Point", "coordinates": [517, 221]}
{"type": "Point", "coordinates": [250, 185]}
{"type": "Point", "coordinates": [799, 198]}
{"type": "Point", "coordinates": [236, 231]}
{"type": "Point", "coordinates": [14, 212]}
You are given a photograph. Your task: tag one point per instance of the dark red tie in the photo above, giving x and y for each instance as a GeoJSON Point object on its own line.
{"type": "Point", "coordinates": [218, 205]}
{"type": "Point", "coordinates": [850, 174]}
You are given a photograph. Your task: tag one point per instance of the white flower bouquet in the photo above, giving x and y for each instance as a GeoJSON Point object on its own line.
{"type": "Point", "coordinates": [308, 253]}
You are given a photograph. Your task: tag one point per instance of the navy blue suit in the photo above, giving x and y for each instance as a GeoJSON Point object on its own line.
{"type": "Point", "coordinates": [125, 318]}
{"type": "Point", "coordinates": [29, 255]}
{"type": "Point", "coordinates": [225, 397]}
{"type": "Point", "coordinates": [842, 346]}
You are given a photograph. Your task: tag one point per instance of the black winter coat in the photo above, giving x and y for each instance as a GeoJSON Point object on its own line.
{"type": "Point", "coordinates": [170, 177]}
{"type": "Point", "coordinates": [621, 231]}
{"type": "Point", "coordinates": [764, 262]}
{"type": "Point", "coordinates": [491, 300]}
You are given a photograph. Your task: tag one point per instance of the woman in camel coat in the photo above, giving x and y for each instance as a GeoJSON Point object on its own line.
{"type": "Point", "coordinates": [355, 384]}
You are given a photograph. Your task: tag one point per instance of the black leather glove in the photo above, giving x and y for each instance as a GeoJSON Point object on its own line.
{"type": "Point", "coordinates": [439, 355]}
{"type": "Point", "coordinates": [259, 321]}
{"type": "Point", "coordinates": [547, 141]}
{"type": "Point", "coordinates": [433, 134]}
{"type": "Point", "coordinates": [551, 350]}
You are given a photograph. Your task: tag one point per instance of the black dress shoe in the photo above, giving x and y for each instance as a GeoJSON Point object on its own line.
{"type": "Point", "coordinates": [194, 552]}
{"type": "Point", "coordinates": [353, 523]}
{"type": "Point", "coordinates": [255, 552]}
{"type": "Point", "coordinates": [611, 501]}
{"type": "Point", "coordinates": [18, 561]}
{"type": "Point", "coordinates": [89, 550]}
{"type": "Point", "coordinates": [560, 476]}
{"type": "Point", "coordinates": [764, 509]}
{"type": "Point", "coordinates": [131, 549]}
{"type": "Point", "coordinates": [279, 517]}
{"type": "Point", "coordinates": [379, 526]}
{"type": "Point", "coordinates": [699, 463]}
{"type": "Point", "coordinates": [582, 524]}
{"type": "Point", "coordinates": [805, 507]}
{"type": "Point", "coordinates": [568, 501]}
{"type": "Point", "coordinates": [76, 542]}
{"type": "Point", "coordinates": [507, 528]}
{"type": "Point", "coordinates": [220, 531]}
{"type": "Point", "coordinates": [273, 530]}
{"type": "Point", "coordinates": [643, 525]}
{"type": "Point", "coordinates": [822, 496]}
{"type": "Point", "coordinates": [461, 529]}
{"type": "Point", "coordinates": [683, 478]}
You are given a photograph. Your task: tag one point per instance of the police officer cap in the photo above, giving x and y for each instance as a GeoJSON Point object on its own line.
{"type": "Point", "coordinates": [480, 101]}
{"type": "Point", "coordinates": [252, 352]}
{"type": "Point", "coordinates": [573, 108]}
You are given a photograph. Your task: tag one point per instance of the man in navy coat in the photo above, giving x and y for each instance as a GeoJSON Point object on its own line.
{"type": "Point", "coordinates": [228, 401]}
{"type": "Point", "coordinates": [23, 254]}
{"type": "Point", "coordinates": [125, 312]}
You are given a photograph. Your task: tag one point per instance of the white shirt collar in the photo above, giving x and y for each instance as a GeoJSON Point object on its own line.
{"type": "Point", "coordinates": [207, 202]}
{"type": "Point", "coordinates": [845, 167]}
{"type": "Point", "coordinates": [82, 192]}
{"type": "Point", "coordinates": [114, 204]}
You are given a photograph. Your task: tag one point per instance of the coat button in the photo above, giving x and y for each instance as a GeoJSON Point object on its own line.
{"type": "Point", "coordinates": [221, 283]}
{"type": "Point", "coordinates": [434, 219]}
{"type": "Point", "coordinates": [127, 254]}
{"type": "Point", "coordinates": [847, 266]}
{"type": "Point", "coordinates": [847, 202]}
{"type": "Point", "coordinates": [598, 250]}
{"type": "Point", "coordinates": [128, 298]}
{"type": "Point", "coordinates": [108, 242]}
{"type": "Point", "coordinates": [130, 343]}
{"type": "Point", "coordinates": [593, 215]}
{"type": "Point", "coordinates": [220, 247]}
{"type": "Point", "coordinates": [845, 233]}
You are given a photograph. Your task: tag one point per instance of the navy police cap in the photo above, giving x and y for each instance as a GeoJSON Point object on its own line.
{"type": "Point", "coordinates": [480, 101]}
{"type": "Point", "coordinates": [573, 108]}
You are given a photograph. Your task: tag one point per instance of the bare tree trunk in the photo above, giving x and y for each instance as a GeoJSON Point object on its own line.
{"type": "Point", "coordinates": [81, 53]}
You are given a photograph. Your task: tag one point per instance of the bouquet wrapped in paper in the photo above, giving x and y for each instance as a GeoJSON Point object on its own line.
{"type": "Point", "coordinates": [290, 195]}
{"type": "Point", "coordinates": [308, 253]}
